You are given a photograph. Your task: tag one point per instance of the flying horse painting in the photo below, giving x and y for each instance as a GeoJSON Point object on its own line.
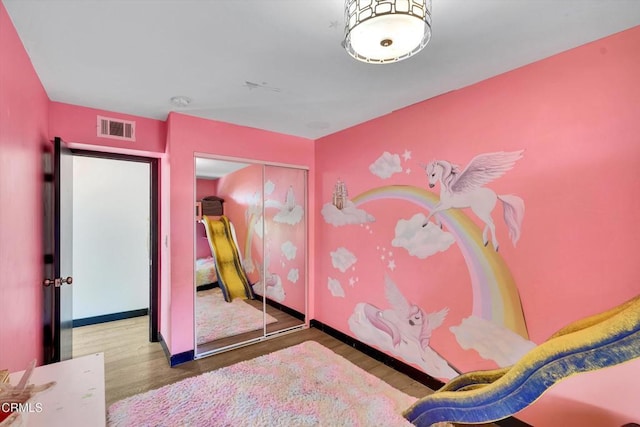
{"type": "Point", "coordinates": [465, 189]}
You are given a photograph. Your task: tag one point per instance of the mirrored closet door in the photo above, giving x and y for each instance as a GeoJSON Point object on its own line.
{"type": "Point", "coordinates": [250, 255]}
{"type": "Point", "coordinates": [284, 277]}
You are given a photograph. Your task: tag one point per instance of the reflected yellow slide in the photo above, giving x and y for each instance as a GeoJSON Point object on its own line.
{"type": "Point", "coordinates": [596, 342]}
{"type": "Point", "coordinates": [231, 276]}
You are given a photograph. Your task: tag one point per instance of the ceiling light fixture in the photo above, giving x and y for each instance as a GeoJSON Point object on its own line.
{"type": "Point", "coordinates": [384, 31]}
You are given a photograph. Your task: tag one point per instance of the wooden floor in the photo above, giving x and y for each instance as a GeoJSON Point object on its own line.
{"type": "Point", "coordinates": [134, 365]}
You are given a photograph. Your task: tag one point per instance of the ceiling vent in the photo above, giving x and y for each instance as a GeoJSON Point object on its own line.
{"type": "Point", "coordinates": [116, 129]}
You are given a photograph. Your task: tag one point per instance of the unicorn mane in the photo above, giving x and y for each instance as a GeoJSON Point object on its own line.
{"type": "Point", "coordinates": [425, 328]}
{"type": "Point", "coordinates": [449, 172]}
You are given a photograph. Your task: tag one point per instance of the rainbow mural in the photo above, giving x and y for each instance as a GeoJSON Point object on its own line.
{"type": "Point", "coordinates": [495, 294]}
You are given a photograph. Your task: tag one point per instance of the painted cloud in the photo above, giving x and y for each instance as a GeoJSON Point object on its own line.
{"type": "Point", "coordinates": [259, 226]}
{"type": "Point", "coordinates": [290, 216]}
{"type": "Point", "coordinates": [293, 275]}
{"type": "Point", "coordinates": [269, 186]}
{"type": "Point", "coordinates": [335, 287]}
{"type": "Point", "coordinates": [386, 165]}
{"type": "Point", "coordinates": [342, 259]}
{"type": "Point", "coordinates": [254, 206]}
{"type": "Point", "coordinates": [420, 241]}
{"type": "Point", "coordinates": [290, 212]}
{"type": "Point", "coordinates": [274, 288]}
{"type": "Point", "coordinates": [248, 265]}
{"type": "Point", "coordinates": [350, 214]}
{"type": "Point", "coordinates": [491, 341]}
{"type": "Point", "coordinates": [289, 250]}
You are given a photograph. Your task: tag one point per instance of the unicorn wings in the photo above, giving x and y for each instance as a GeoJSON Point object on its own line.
{"type": "Point", "coordinates": [436, 319]}
{"type": "Point", "coordinates": [290, 200]}
{"type": "Point", "coordinates": [395, 297]}
{"type": "Point", "coordinates": [483, 169]}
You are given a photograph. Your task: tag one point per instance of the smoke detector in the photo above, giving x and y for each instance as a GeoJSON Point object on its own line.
{"type": "Point", "coordinates": [180, 101]}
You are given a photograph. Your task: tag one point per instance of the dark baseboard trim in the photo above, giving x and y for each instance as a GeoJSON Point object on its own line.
{"type": "Point", "coordinates": [392, 362]}
{"type": "Point", "coordinates": [207, 286]}
{"type": "Point", "coordinates": [398, 365]}
{"type": "Point", "coordinates": [110, 317]}
{"type": "Point", "coordinates": [175, 359]}
{"type": "Point", "coordinates": [163, 344]}
{"type": "Point", "coordinates": [281, 307]}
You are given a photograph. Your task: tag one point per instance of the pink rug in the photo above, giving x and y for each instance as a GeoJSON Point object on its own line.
{"type": "Point", "coordinates": [216, 318]}
{"type": "Point", "coordinates": [304, 385]}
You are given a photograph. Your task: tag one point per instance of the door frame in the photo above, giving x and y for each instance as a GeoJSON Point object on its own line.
{"type": "Point", "coordinates": [154, 209]}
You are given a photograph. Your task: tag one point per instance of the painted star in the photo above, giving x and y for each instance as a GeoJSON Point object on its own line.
{"type": "Point", "coordinates": [352, 281]}
{"type": "Point", "coordinates": [406, 155]}
{"type": "Point", "coordinates": [391, 265]}
{"type": "Point", "coordinates": [408, 171]}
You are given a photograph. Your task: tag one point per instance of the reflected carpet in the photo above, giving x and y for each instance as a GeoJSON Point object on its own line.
{"type": "Point", "coordinates": [303, 385]}
{"type": "Point", "coordinates": [216, 318]}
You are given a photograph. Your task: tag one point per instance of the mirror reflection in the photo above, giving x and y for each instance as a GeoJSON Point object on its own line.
{"type": "Point", "coordinates": [250, 252]}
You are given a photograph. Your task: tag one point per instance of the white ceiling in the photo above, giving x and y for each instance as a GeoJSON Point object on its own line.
{"type": "Point", "coordinates": [215, 168]}
{"type": "Point", "coordinates": [278, 64]}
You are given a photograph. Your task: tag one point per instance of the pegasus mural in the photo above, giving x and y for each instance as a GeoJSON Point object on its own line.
{"type": "Point", "coordinates": [465, 188]}
{"type": "Point", "coordinates": [404, 329]}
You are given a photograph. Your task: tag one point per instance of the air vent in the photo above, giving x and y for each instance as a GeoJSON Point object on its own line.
{"type": "Point", "coordinates": [116, 128]}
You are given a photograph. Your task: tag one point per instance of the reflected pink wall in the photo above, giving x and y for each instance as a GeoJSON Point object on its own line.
{"type": "Point", "coordinates": [23, 136]}
{"type": "Point", "coordinates": [206, 187]}
{"type": "Point", "coordinates": [576, 116]}
{"type": "Point", "coordinates": [187, 136]}
{"type": "Point", "coordinates": [242, 193]}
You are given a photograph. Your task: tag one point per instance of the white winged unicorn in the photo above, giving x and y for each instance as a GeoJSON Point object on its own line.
{"type": "Point", "coordinates": [404, 321]}
{"type": "Point", "coordinates": [404, 330]}
{"type": "Point", "coordinates": [465, 189]}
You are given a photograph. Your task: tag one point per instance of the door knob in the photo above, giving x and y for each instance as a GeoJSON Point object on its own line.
{"type": "Point", "coordinates": [57, 282]}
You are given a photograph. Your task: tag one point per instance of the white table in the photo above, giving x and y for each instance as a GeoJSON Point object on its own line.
{"type": "Point", "coordinates": [77, 399]}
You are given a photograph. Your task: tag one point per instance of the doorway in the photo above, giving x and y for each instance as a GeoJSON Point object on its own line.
{"type": "Point", "coordinates": [115, 224]}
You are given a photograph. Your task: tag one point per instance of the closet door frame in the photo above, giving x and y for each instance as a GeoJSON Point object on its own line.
{"type": "Point", "coordinates": [265, 335]}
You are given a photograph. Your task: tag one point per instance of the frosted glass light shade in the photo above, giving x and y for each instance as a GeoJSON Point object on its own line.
{"type": "Point", "coordinates": [383, 31]}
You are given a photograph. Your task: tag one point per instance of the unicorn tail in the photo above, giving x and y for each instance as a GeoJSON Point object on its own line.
{"type": "Point", "coordinates": [374, 316]}
{"type": "Point", "coordinates": [513, 213]}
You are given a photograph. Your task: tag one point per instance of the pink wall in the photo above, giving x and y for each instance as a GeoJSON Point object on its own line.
{"type": "Point", "coordinates": [76, 124]}
{"type": "Point", "coordinates": [187, 136]}
{"type": "Point", "coordinates": [165, 254]}
{"type": "Point", "coordinates": [575, 115]}
{"type": "Point", "coordinates": [23, 136]}
{"type": "Point", "coordinates": [608, 397]}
